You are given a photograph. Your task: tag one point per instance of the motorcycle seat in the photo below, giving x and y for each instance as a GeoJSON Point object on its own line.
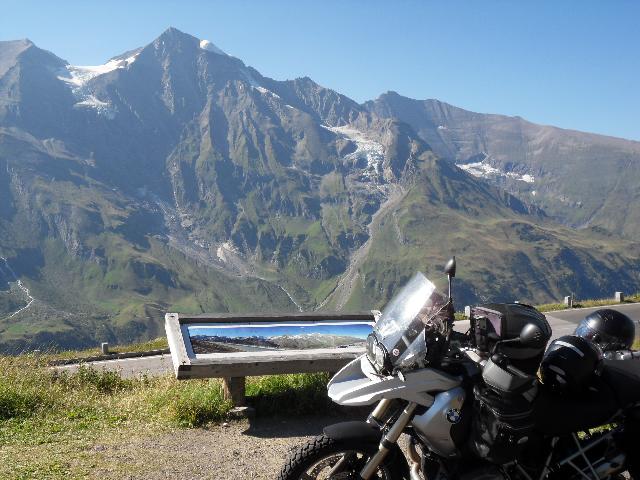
{"type": "Point", "coordinates": [623, 376]}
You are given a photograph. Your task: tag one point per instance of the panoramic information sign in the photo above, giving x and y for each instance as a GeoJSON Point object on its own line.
{"type": "Point", "coordinates": [285, 335]}
{"type": "Point", "coordinates": [215, 340]}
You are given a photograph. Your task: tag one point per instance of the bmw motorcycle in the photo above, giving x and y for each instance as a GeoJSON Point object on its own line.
{"type": "Point", "coordinates": [471, 405]}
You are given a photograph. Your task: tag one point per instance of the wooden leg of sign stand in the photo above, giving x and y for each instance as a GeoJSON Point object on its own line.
{"type": "Point", "coordinates": [234, 390]}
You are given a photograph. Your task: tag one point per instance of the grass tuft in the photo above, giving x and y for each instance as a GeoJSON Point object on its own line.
{"type": "Point", "coordinates": [198, 403]}
{"type": "Point", "coordinates": [16, 403]}
{"type": "Point", "coordinates": [87, 378]}
{"type": "Point", "coordinates": [550, 307]}
{"type": "Point", "coordinates": [587, 303]}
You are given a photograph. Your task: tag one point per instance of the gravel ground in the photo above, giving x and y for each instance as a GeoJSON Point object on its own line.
{"type": "Point", "coordinates": [238, 450]}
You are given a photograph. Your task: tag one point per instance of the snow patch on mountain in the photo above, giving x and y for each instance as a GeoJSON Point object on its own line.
{"type": "Point", "coordinates": [267, 91]}
{"type": "Point", "coordinates": [257, 86]}
{"type": "Point", "coordinates": [366, 149]}
{"type": "Point", "coordinates": [102, 108]}
{"type": "Point", "coordinates": [77, 77]}
{"type": "Point", "coordinates": [484, 170]}
{"type": "Point", "coordinates": [210, 47]}
{"type": "Point", "coordinates": [527, 178]}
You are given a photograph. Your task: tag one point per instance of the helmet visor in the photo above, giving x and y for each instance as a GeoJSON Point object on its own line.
{"type": "Point", "coordinates": [589, 329]}
{"type": "Point", "coordinates": [585, 331]}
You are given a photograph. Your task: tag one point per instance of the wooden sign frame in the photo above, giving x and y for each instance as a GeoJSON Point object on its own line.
{"type": "Point", "coordinates": [187, 364]}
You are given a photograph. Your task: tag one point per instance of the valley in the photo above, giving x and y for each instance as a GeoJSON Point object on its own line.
{"type": "Point", "coordinates": [176, 178]}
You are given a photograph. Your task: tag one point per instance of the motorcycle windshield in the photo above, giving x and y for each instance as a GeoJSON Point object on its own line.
{"type": "Point", "coordinates": [414, 311]}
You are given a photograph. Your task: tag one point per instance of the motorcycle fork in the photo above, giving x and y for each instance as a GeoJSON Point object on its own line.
{"type": "Point", "coordinates": [375, 418]}
{"type": "Point", "coordinates": [389, 439]}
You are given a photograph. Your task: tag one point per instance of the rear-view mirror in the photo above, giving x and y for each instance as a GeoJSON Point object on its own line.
{"type": "Point", "coordinates": [531, 336]}
{"type": "Point", "coordinates": [450, 267]}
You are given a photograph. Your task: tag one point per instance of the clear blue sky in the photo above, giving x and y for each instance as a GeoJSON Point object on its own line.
{"type": "Point", "coordinates": [574, 64]}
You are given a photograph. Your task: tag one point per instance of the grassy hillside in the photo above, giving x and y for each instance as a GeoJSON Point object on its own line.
{"type": "Point", "coordinates": [131, 288]}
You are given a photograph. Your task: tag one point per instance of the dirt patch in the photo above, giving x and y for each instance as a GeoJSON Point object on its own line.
{"type": "Point", "coordinates": [238, 450]}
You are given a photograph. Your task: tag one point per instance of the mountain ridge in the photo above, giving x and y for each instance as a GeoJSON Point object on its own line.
{"type": "Point", "coordinates": [573, 173]}
{"type": "Point", "coordinates": [394, 93]}
{"type": "Point", "coordinates": [174, 177]}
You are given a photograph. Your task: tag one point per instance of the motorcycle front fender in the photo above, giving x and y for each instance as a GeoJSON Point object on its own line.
{"type": "Point", "coordinates": [356, 430]}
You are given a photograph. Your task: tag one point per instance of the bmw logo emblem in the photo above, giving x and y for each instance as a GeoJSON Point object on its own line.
{"type": "Point", "coordinates": [454, 415]}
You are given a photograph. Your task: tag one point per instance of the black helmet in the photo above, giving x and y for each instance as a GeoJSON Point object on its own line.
{"type": "Point", "coordinates": [569, 363]}
{"type": "Point", "coordinates": [610, 329]}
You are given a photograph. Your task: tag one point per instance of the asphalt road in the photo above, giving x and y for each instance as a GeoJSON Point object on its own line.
{"type": "Point", "coordinates": [129, 367]}
{"type": "Point", "coordinates": [563, 322]}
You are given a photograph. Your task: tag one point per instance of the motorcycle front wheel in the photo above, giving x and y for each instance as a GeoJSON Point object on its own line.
{"type": "Point", "coordinates": [324, 458]}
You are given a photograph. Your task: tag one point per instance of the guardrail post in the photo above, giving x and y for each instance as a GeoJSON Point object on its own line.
{"type": "Point", "coordinates": [568, 301]}
{"type": "Point", "coordinates": [105, 348]}
{"type": "Point", "coordinates": [619, 296]}
{"type": "Point", "coordinates": [234, 390]}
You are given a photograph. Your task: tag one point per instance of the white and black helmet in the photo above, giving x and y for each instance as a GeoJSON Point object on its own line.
{"type": "Point", "coordinates": [569, 363]}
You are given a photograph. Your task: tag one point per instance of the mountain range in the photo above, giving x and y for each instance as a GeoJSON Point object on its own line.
{"type": "Point", "coordinates": [176, 178]}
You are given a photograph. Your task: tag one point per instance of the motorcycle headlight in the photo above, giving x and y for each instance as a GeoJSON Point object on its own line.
{"type": "Point", "coordinates": [376, 353]}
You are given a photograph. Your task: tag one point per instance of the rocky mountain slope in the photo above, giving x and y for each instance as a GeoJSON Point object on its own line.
{"type": "Point", "coordinates": [580, 179]}
{"type": "Point", "coordinates": [174, 177]}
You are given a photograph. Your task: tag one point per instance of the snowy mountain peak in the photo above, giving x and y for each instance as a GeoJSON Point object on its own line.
{"type": "Point", "coordinates": [210, 47]}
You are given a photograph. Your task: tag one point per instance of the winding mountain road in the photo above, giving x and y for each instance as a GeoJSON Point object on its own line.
{"type": "Point", "coordinates": [341, 293]}
{"type": "Point", "coordinates": [563, 322]}
{"type": "Point", "coordinates": [20, 285]}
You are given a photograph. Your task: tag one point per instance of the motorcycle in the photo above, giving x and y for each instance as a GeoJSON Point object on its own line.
{"type": "Point", "coordinates": [470, 404]}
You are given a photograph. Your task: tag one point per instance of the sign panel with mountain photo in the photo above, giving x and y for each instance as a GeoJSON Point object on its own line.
{"type": "Point", "coordinates": [261, 336]}
{"type": "Point", "coordinates": [231, 345]}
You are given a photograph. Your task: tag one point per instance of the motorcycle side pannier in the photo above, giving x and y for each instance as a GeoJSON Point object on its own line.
{"type": "Point", "coordinates": [501, 426]}
{"type": "Point", "coordinates": [503, 416]}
